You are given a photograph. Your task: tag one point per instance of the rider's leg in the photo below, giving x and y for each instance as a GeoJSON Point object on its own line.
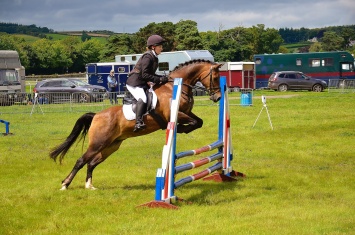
{"type": "Point", "coordinates": [139, 94]}
{"type": "Point", "coordinates": [141, 108]}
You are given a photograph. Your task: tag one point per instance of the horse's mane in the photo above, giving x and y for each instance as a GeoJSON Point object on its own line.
{"type": "Point", "coordinates": [187, 63]}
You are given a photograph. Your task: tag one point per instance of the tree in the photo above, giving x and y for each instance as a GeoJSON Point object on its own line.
{"type": "Point", "coordinates": [90, 51]}
{"type": "Point", "coordinates": [85, 36]}
{"type": "Point", "coordinates": [348, 34]}
{"type": "Point", "coordinates": [164, 29]}
{"type": "Point", "coordinates": [315, 47]}
{"type": "Point", "coordinates": [116, 44]}
{"type": "Point", "coordinates": [331, 41]}
{"type": "Point", "coordinates": [187, 36]}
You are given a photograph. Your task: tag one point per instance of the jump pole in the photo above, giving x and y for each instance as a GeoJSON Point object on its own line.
{"type": "Point", "coordinates": [165, 185]}
{"type": "Point", "coordinates": [7, 127]}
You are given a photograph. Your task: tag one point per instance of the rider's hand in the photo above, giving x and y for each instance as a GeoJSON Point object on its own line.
{"type": "Point", "coordinates": [164, 79]}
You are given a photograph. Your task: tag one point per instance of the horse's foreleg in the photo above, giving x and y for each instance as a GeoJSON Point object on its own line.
{"type": "Point", "coordinates": [99, 158]}
{"type": "Point", "coordinates": [188, 123]}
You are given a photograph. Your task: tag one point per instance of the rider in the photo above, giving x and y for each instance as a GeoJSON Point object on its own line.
{"type": "Point", "coordinates": [143, 73]}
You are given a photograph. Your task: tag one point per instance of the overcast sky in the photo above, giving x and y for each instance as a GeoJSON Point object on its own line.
{"type": "Point", "coordinates": [129, 16]}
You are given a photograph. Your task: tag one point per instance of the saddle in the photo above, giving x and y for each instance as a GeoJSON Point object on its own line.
{"type": "Point", "coordinates": [129, 107]}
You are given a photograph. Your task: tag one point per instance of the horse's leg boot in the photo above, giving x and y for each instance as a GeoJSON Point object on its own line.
{"type": "Point", "coordinates": [140, 110]}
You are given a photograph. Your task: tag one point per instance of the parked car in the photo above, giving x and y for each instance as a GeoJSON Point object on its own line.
{"type": "Point", "coordinates": [295, 80]}
{"type": "Point", "coordinates": [59, 90]}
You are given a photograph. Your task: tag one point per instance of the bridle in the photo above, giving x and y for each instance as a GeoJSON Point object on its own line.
{"type": "Point", "coordinates": [211, 90]}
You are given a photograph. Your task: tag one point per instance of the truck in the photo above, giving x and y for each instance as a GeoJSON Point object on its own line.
{"type": "Point", "coordinates": [321, 65]}
{"type": "Point", "coordinates": [12, 78]}
{"type": "Point", "coordinates": [96, 73]}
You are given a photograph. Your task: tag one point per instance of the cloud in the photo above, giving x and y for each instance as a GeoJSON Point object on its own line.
{"type": "Point", "coordinates": [131, 15]}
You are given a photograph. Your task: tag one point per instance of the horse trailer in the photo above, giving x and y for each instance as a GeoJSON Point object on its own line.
{"type": "Point", "coordinates": [240, 75]}
{"type": "Point", "coordinates": [96, 73]}
{"type": "Point", "coordinates": [321, 65]}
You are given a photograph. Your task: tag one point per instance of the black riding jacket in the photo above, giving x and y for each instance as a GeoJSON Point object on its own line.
{"type": "Point", "coordinates": [144, 71]}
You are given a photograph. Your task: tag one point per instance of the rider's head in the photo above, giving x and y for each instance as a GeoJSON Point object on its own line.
{"type": "Point", "coordinates": [155, 42]}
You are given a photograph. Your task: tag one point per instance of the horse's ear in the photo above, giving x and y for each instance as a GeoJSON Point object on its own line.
{"type": "Point", "coordinates": [218, 66]}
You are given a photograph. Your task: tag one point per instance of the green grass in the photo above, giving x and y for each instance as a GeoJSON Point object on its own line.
{"type": "Point", "coordinates": [300, 176]}
{"type": "Point", "coordinates": [293, 47]}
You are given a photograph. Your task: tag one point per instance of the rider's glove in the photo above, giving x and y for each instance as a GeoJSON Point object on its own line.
{"type": "Point", "coordinates": [164, 79]}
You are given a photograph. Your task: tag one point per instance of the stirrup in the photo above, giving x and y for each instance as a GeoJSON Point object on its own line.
{"type": "Point", "coordinates": [139, 126]}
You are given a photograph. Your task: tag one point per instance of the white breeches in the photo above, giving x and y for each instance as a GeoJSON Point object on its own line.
{"type": "Point", "coordinates": [137, 92]}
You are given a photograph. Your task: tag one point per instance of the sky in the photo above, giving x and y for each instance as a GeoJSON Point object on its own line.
{"type": "Point", "coordinates": [128, 16]}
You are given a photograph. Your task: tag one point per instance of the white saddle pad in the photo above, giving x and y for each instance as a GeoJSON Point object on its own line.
{"type": "Point", "coordinates": [128, 112]}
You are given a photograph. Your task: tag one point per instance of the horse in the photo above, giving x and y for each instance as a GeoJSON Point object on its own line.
{"type": "Point", "coordinates": [107, 129]}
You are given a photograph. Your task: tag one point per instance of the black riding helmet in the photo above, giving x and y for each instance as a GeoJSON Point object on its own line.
{"type": "Point", "coordinates": [155, 40]}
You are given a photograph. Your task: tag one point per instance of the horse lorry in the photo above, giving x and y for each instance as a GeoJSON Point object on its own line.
{"type": "Point", "coordinates": [12, 78]}
{"type": "Point", "coordinates": [96, 73]}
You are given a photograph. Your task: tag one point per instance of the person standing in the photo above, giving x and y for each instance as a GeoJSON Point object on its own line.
{"type": "Point", "coordinates": [112, 87]}
{"type": "Point", "coordinates": [144, 73]}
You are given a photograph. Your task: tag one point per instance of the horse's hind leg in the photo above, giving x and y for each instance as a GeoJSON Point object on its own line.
{"type": "Point", "coordinates": [99, 158]}
{"type": "Point", "coordinates": [78, 165]}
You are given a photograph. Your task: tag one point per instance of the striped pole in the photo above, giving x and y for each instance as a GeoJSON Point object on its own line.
{"type": "Point", "coordinates": [165, 175]}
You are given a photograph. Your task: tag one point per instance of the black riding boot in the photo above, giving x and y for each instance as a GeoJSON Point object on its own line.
{"type": "Point", "coordinates": [140, 110]}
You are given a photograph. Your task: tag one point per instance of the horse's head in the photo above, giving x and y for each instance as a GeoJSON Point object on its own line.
{"type": "Point", "coordinates": [203, 71]}
{"type": "Point", "coordinates": [210, 79]}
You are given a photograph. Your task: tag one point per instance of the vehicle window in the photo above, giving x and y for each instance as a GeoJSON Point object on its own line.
{"type": "Point", "coordinates": [303, 76]}
{"type": "Point", "coordinates": [298, 62]}
{"type": "Point", "coordinates": [79, 83]}
{"type": "Point", "coordinates": [8, 75]}
{"type": "Point", "coordinates": [67, 84]}
{"type": "Point", "coordinates": [281, 75]}
{"type": "Point", "coordinates": [314, 63]}
{"type": "Point", "coordinates": [327, 62]}
{"type": "Point", "coordinates": [164, 66]}
{"type": "Point", "coordinates": [299, 76]}
{"type": "Point", "coordinates": [345, 66]}
{"type": "Point", "coordinates": [291, 75]}
{"type": "Point", "coordinates": [257, 60]}
{"type": "Point", "coordinates": [48, 84]}
{"type": "Point", "coordinates": [121, 69]}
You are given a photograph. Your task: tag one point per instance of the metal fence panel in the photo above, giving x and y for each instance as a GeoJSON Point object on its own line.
{"type": "Point", "coordinates": [341, 85]}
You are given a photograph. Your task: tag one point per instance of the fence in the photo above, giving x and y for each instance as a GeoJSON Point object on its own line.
{"type": "Point", "coordinates": [341, 85]}
{"type": "Point", "coordinates": [57, 102]}
{"type": "Point", "coordinates": [165, 178]}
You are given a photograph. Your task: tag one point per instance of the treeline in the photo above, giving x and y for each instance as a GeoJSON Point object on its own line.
{"type": "Point", "coordinates": [290, 35]}
{"type": "Point", "coordinates": [33, 30]}
{"type": "Point", "coordinates": [71, 54]}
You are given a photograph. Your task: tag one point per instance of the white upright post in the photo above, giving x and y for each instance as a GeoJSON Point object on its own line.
{"type": "Point", "coordinates": [263, 99]}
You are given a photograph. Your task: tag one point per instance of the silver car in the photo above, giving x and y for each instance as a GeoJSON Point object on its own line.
{"type": "Point", "coordinates": [61, 90]}
{"type": "Point", "coordinates": [295, 80]}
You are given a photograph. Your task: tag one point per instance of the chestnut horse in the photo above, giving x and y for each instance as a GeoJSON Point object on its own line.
{"type": "Point", "coordinates": [107, 129]}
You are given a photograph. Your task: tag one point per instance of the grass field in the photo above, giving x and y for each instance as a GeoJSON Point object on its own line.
{"type": "Point", "coordinates": [300, 176]}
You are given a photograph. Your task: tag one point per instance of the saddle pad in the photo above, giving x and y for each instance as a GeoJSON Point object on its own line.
{"type": "Point", "coordinates": [128, 111]}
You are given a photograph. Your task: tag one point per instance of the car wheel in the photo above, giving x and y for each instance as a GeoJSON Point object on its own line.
{"type": "Point", "coordinates": [283, 87]}
{"type": "Point", "coordinates": [83, 98]}
{"type": "Point", "coordinates": [317, 88]}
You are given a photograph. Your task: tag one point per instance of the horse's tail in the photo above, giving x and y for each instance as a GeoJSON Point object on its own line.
{"type": "Point", "coordinates": [82, 126]}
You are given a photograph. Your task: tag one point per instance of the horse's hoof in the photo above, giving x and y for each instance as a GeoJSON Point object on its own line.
{"type": "Point", "coordinates": [63, 188]}
{"type": "Point", "coordinates": [91, 188]}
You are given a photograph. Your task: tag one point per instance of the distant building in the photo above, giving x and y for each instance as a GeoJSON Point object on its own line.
{"type": "Point", "coordinates": [315, 39]}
